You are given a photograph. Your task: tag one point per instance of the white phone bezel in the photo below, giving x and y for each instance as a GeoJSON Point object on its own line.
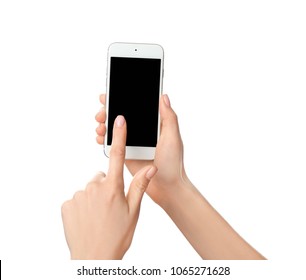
{"type": "Point", "coordinates": [136, 50]}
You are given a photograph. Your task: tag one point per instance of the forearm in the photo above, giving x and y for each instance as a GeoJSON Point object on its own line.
{"type": "Point", "coordinates": [209, 234]}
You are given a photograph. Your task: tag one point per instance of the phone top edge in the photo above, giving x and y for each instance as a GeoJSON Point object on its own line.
{"type": "Point", "coordinates": [131, 44]}
{"type": "Point", "coordinates": [126, 49]}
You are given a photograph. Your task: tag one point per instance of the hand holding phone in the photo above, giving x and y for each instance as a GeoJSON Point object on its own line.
{"type": "Point", "coordinates": [134, 85]}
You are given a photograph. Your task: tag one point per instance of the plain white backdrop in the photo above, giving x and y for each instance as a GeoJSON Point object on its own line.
{"type": "Point", "coordinates": [235, 74]}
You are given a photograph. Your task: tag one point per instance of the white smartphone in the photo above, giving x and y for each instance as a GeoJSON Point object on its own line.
{"type": "Point", "coordinates": [134, 85]}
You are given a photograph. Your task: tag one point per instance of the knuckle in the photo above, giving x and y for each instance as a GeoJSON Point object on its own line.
{"type": "Point", "coordinates": [175, 117]}
{"type": "Point", "coordinates": [141, 186]}
{"type": "Point", "coordinates": [117, 151]}
{"type": "Point", "coordinates": [66, 207]}
{"type": "Point", "coordinates": [91, 186]}
{"type": "Point", "coordinates": [78, 195]}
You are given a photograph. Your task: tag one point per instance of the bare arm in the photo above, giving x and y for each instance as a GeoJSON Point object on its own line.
{"type": "Point", "coordinates": [205, 229]}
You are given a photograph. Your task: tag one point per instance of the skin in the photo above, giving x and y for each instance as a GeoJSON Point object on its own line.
{"type": "Point", "coordinates": [99, 222]}
{"type": "Point", "coordinates": [206, 230]}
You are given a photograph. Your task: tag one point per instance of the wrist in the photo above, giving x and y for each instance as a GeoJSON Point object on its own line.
{"type": "Point", "coordinates": [177, 195]}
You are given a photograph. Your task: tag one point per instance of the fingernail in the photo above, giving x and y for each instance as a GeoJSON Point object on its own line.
{"type": "Point", "coordinates": [152, 171]}
{"type": "Point", "coordinates": [167, 100]}
{"type": "Point", "coordinates": [120, 121]}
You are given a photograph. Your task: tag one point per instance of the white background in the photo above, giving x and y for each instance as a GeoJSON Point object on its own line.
{"type": "Point", "coordinates": [235, 74]}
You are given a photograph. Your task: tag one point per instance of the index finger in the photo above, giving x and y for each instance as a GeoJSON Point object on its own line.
{"type": "Point", "coordinates": [117, 152]}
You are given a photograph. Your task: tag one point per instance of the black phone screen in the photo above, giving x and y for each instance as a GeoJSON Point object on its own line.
{"type": "Point", "coordinates": [134, 85]}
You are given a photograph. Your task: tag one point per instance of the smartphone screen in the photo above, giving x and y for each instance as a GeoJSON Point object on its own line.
{"type": "Point", "coordinates": [134, 86]}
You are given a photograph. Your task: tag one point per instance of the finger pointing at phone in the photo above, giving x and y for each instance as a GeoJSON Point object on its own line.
{"type": "Point", "coordinates": [117, 153]}
{"type": "Point", "coordinates": [99, 222]}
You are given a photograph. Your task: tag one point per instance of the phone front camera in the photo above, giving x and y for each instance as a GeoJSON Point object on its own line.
{"type": "Point", "coordinates": [135, 50]}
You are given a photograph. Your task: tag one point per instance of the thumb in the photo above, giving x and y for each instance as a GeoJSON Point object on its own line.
{"type": "Point", "coordinates": [169, 121]}
{"type": "Point", "coordinates": [138, 187]}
